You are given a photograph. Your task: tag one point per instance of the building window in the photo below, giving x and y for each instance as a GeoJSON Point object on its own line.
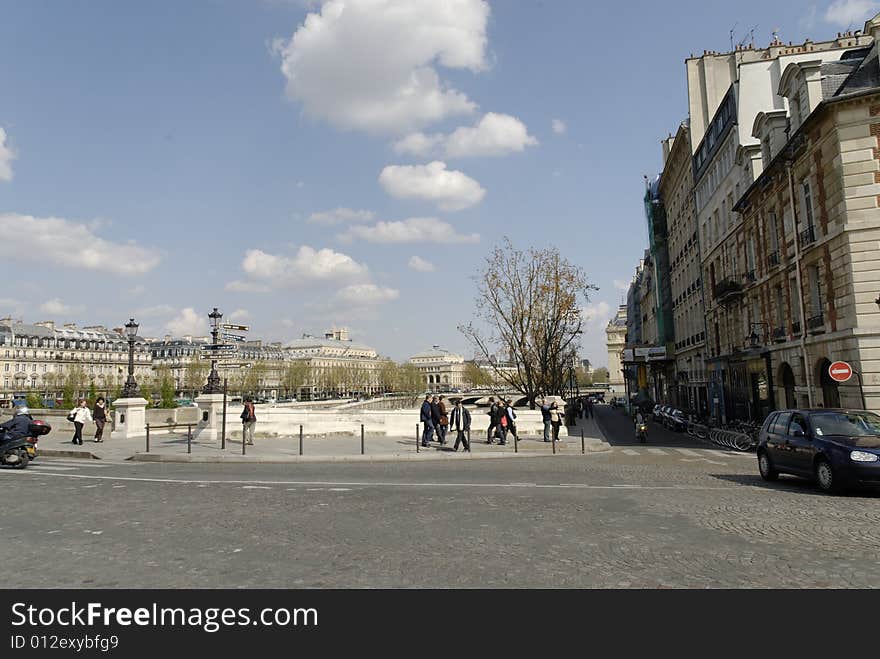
{"type": "Point", "coordinates": [808, 204]}
{"type": "Point", "coordinates": [815, 290]}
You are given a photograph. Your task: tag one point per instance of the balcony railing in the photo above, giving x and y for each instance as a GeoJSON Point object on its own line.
{"type": "Point", "coordinates": [773, 259]}
{"type": "Point", "coordinates": [727, 289]}
{"type": "Point", "coordinates": [796, 328]}
{"type": "Point", "coordinates": [808, 236]}
{"type": "Point", "coordinates": [779, 334]}
{"type": "Point", "coordinates": [751, 276]}
{"type": "Point", "coordinates": [816, 322]}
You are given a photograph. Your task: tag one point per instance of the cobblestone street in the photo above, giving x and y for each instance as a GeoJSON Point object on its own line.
{"type": "Point", "coordinates": [653, 516]}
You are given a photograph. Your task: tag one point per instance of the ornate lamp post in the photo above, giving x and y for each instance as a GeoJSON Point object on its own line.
{"type": "Point", "coordinates": [214, 386]}
{"type": "Point", "coordinates": [130, 390]}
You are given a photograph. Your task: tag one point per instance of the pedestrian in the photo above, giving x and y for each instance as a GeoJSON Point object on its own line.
{"type": "Point", "coordinates": [545, 417]}
{"type": "Point", "coordinates": [580, 408]}
{"type": "Point", "coordinates": [435, 416]}
{"type": "Point", "coordinates": [79, 415]}
{"type": "Point", "coordinates": [99, 414]}
{"type": "Point", "coordinates": [444, 421]}
{"type": "Point", "coordinates": [511, 420]}
{"type": "Point", "coordinates": [493, 419]}
{"type": "Point", "coordinates": [248, 421]}
{"type": "Point", "coordinates": [555, 420]}
{"type": "Point", "coordinates": [425, 417]}
{"type": "Point", "coordinates": [589, 408]}
{"type": "Point", "coordinates": [461, 421]}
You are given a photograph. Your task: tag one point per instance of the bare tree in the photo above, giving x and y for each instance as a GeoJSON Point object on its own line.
{"type": "Point", "coordinates": [528, 311]}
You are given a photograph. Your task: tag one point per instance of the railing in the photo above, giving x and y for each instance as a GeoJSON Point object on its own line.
{"type": "Point", "coordinates": [751, 276]}
{"type": "Point", "coordinates": [779, 334]}
{"type": "Point", "coordinates": [796, 328]}
{"type": "Point", "coordinates": [808, 236]}
{"type": "Point", "coordinates": [773, 259]}
{"type": "Point", "coordinates": [816, 322]}
{"type": "Point", "coordinates": [727, 288]}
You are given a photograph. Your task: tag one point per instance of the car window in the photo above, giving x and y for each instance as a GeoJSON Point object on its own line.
{"type": "Point", "coordinates": [854, 424]}
{"type": "Point", "coordinates": [797, 423]}
{"type": "Point", "coordinates": [768, 424]}
{"type": "Point", "coordinates": [781, 424]}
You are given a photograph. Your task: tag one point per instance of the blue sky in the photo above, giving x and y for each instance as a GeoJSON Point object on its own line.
{"type": "Point", "coordinates": [158, 159]}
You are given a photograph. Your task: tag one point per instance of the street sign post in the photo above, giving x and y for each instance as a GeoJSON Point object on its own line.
{"type": "Point", "coordinates": [840, 371]}
{"type": "Point", "coordinates": [239, 328]}
{"type": "Point", "coordinates": [233, 337]}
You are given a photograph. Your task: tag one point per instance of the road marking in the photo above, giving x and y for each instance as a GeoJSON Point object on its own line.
{"type": "Point", "coordinates": [324, 484]}
{"type": "Point", "coordinates": [255, 487]}
{"type": "Point", "coordinates": [630, 451]}
{"type": "Point", "coordinates": [656, 451]}
{"type": "Point", "coordinates": [71, 463]}
{"type": "Point", "coordinates": [688, 452]}
{"type": "Point", "coordinates": [55, 467]}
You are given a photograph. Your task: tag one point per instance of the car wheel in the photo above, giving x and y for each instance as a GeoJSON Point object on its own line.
{"type": "Point", "coordinates": [768, 473]}
{"type": "Point", "coordinates": [825, 477]}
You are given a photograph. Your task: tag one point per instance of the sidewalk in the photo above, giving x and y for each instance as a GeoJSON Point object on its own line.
{"type": "Point", "coordinates": [173, 448]}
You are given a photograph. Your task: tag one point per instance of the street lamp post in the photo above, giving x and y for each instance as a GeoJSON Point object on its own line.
{"type": "Point", "coordinates": [214, 386]}
{"type": "Point", "coordinates": [130, 390]}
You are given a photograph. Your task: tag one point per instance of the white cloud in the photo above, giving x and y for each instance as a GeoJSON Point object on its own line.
{"type": "Point", "coordinates": [494, 135]}
{"type": "Point", "coordinates": [370, 64]}
{"type": "Point", "coordinates": [367, 294]}
{"type": "Point", "coordinates": [413, 230]}
{"type": "Point", "coordinates": [188, 322]}
{"type": "Point", "coordinates": [7, 155]}
{"type": "Point", "coordinates": [621, 285]}
{"type": "Point", "coordinates": [152, 312]}
{"type": "Point", "coordinates": [558, 126]}
{"type": "Point", "coordinates": [340, 216]}
{"type": "Point", "coordinates": [55, 307]}
{"type": "Point", "coordinates": [847, 13]}
{"type": "Point", "coordinates": [421, 265]}
{"type": "Point", "coordinates": [596, 313]}
{"type": "Point", "coordinates": [451, 190]}
{"type": "Point", "coordinates": [307, 266]}
{"type": "Point", "coordinates": [70, 244]}
{"type": "Point", "coordinates": [240, 314]}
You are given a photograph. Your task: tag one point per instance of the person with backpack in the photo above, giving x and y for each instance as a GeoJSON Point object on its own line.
{"type": "Point", "coordinates": [248, 421]}
{"type": "Point", "coordinates": [503, 422]}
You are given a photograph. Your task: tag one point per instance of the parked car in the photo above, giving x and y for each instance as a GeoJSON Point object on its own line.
{"type": "Point", "coordinates": [835, 448]}
{"type": "Point", "coordinates": [657, 413]}
{"type": "Point", "coordinates": [677, 420]}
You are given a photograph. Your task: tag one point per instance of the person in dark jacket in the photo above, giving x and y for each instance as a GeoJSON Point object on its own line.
{"type": "Point", "coordinates": [17, 427]}
{"type": "Point", "coordinates": [436, 416]}
{"type": "Point", "coordinates": [99, 416]}
{"type": "Point", "coordinates": [545, 417]}
{"type": "Point", "coordinates": [493, 419]}
{"type": "Point", "coordinates": [426, 418]}
{"type": "Point", "coordinates": [461, 422]}
{"type": "Point", "coordinates": [443, 424]}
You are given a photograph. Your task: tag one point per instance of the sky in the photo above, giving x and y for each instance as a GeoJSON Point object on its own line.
{"type": "Point", "coordinates": [303, 164]}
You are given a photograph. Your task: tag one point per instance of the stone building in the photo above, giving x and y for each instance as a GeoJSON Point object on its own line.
{"type": "Point", "coordinates": [685, 273]}
{"type": "Point", "coordinates": [809, 240]}
{"type": "Point", "coordinates": [615, 341]}
{"type": "Point", "coordinates": [443, 370]}
{"type": "Point", "coordinates": [43, 358]}
{"type": "Point", "coordinates": [336, 366]}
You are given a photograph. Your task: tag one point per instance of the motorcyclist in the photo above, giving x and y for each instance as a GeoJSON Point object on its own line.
{"type": "Point", "coordinates": [17, 427]}
{"type": "Point", "coordinates": [639, 420]}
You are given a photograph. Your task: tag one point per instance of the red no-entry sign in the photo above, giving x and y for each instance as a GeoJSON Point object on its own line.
{"type": "Point", "coordinates": [840, 371]}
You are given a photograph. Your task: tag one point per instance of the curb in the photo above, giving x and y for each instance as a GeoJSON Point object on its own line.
{"type": "Point", "coordinates": [61, 453]}
{"type": "Point", "coordinates": [293, 459]}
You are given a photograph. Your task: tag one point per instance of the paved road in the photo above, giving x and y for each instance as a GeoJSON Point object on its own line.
{"type": "Point", "coordinates": [656, 516]}
{"type": "Point", "coordinates": [618, 428]}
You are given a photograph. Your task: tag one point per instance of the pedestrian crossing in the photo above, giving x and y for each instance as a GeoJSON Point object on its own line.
{"type": "Point", "coordinates": [686, 452]}
{"type": "Point", "coordinates": [60, 464]}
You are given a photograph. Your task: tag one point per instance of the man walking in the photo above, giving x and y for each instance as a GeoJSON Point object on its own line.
{"type": "Point", "coordinates": [511, 419]}
{"type": "Point", "coordinates": [425, 417]}
{"type": "Point", "coordinates": [444, 421]}
{"type": "Point", "coordinates": [435, 416]}
{"type": "Point", "coordinates": [461, 421]}
{"type": "Point", "coordinates": [545, 417]}
{"type": "Point", "coordinates": [493, 419]}
{"type": "Point", "coordinates": [99, 416]}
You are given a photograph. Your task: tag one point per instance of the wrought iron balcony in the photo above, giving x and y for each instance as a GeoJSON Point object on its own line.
{"type": "Point", "coordinates": [779, 334]}
{"type": "Point", "coordinates": [808, 236]}
{"type": "Point", "coordinates": [796, 328]}
{"type": "Point", "coordinates": [727, 289]}
{"type": "Point", "coordinates": [751, 276]}
{"type": "Point", "coordinates": [773, 259]}
{"type": "Point", "coordinates": [816, 322]}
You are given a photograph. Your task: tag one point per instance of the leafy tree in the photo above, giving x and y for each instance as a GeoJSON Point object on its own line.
{"type": "Point", "coordinates": [93, 394]}
{"type": "Point", "coordinates": [529, 307]}
{"type": "Point", "coordinates": [410, 379]}
{"type": "Point", "coordinates": [34, 400]}
{"type": "Point", "coordinates": [600, 374]}
{"type": "Point", "coordinates": [167, 388]}
{"type": "Point", "coordinates": [196, 375]}
{"type": "Point", "coordinates": [295, 376]}
{"type": "Point", "coordinates": [476, 375]}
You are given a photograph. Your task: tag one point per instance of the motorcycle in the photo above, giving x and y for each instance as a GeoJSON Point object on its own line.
{"type": "Point", "coordinates": [17, 453]}
{"type": "Point", "coordinates": [642, 432]}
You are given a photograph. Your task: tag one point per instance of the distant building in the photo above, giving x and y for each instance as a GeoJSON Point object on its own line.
{"type": "Point", "coordinates": [443, 370]}
{"type": "Point", "coordinates": [615, 334]}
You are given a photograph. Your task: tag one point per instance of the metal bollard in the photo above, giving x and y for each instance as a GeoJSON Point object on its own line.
{"type": "Point", "coordinates": [516, 443]}
{"type": "Point", "coordinates": [148, 438]}
{"type": "Point", "coordinates": [554, 443]}
{"type": "Point", "coordinates": [189, 438]}
{"type": "Point", "coordinates": [583, 446]}
{"type": "Point", "coordinates": [418, 449]}
{"type": "Point", "coordinates": [243, 442]}
{"type": "Point", "coordinates": [469, 440]}
{"type": "Point", "coordinates": [300, 440]}
{"type": "Point", "coordinates": [362, 439]}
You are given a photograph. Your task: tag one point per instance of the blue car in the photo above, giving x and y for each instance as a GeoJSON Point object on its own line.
{"type": "Point", "coordinates": [835, 448]}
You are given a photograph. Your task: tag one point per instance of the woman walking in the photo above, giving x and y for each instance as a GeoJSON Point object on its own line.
{"type": "Point", "coordinates": [99, 415]}
{"type": "Point", "coordinates": [511, 420]}
{"type": "Point", "coordinates": [249, 421]}
{"type": "Point", "coordinates": [555, 420]}
{"type": "Point", "coordinates": [79, 415]}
